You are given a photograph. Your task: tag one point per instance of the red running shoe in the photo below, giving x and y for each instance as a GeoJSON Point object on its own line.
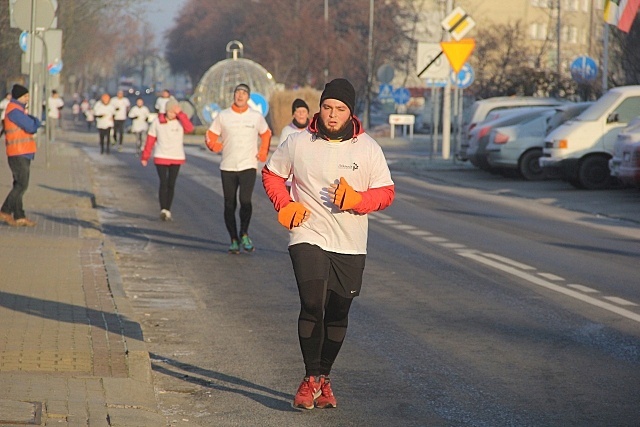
{"type": "Point", "coordinates": [326, 398]}
{"type": "Point", "coordinates": [308, 392]}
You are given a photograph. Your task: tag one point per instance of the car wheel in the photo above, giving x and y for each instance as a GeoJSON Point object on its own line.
{"type": "Point", "coordinates": [529, 165]}
{"type": "Point", "coordinates": [594, 173]}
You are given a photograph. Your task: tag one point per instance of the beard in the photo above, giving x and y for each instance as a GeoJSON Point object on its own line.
{"type": "Point", "coordinates": [344, 132]}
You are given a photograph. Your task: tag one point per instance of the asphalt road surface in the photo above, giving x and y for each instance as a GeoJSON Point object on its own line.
{"type": "Point", "coordinates": [478, 308]}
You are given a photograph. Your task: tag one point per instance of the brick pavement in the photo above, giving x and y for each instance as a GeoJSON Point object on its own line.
{"type": "Point", "coordinates": [71, 351]}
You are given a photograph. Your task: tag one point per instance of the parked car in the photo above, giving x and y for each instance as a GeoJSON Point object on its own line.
{"type": "Point", "coordinates": [482, 108]}
{"type": "Point", "coordinates": [580, 149]}
{"type": "Point", "coordinates": [518, 147]}
{"type": "Point", "coordinates": [479, 136]}
{"type": "Point", "coordinates": [625, 163]}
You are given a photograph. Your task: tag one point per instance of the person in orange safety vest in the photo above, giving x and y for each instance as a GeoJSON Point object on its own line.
{"type": "Point", "coordinates": [20, 129]}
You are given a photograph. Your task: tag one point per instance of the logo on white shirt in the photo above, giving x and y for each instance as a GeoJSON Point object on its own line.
{"type": "Point", "coordinates": [353, 166]}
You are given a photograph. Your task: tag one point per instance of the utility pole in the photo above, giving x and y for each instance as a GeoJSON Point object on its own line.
{"type": "Point", "coordinates": [558, 37]}
{"type": "Point", "coordinates": [326, 44]}
{"type": "Point", "coordinates": [367, 107]}
{"type": "Point", "coordinates": [446, 102]}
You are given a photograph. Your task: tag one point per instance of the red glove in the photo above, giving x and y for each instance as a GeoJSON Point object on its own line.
{"type": "Point", "coordinates": [343, 195]}
{"type": "Point", "coordinates": [292, 215]}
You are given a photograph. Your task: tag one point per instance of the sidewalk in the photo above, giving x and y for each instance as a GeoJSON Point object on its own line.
{"type": "Point", "coordinates": [71, 351]}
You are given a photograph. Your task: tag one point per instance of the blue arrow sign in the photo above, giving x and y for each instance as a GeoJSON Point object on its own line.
{"type": "Point", "coordinates": [464, 78]}
{"type": "Point", "coordinates": [259, 103]}
{"type": "Point", "coordinates": [210, 112]}
{"type": "Point", "coordinates": [584, 69]}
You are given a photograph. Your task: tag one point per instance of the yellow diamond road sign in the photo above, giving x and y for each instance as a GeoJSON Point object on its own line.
{"type": "Point", "coordinates": [458, 23]}
{"type": "Point", "coordinates": [458, 52]}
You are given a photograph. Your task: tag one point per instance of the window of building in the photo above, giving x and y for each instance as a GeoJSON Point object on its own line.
{"type": "Point", "coordinates": [573, 35]}
{"type": "Point", "coordinates": [575, 5]}
{"type": "Point", "coordinates": [564, 33]}
{"type": "Point", "coordinates": [585, 5]}
{"type": "Point", "coordinates": [535, 3]}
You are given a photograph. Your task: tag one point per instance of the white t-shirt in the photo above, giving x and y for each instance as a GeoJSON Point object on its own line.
{"type": "Point", "coordinates": [139, 116]}
{"type": "Point", "coordinates": [170, 139]}
{"type": "Point", "coordinates": [288, 130]}
{"type": "Point", "coordinates": [3, 107]}
{"type": "Point", "coordinates": [54, 104]}
{"type": "Point", "coordinates": [107, 112]}
{"type": "Point", "coordinates": [316, 164]}
{"type": "Point", "coordinates": [239, 134]}
{"type": "Point", "coordinates": [121, 105]}
{"type": "Point", "coordinates": [161, 103]}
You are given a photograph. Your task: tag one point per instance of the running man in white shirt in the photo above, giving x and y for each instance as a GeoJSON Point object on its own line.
{"type": "Point", "coordinates": [139, 115]}
{"type": "Point", "coordinates": [121, 104]}
{"type": "Point", "coordinates": [54, 105]}
{"type": "Point", "coordinates": [235, 132]}
{"type": "Point", "coordinates": [162, 100]}
{"type": "Point", "coordinates": [339, 175]}
{"type": "Point", "coordinates": [104, 111]}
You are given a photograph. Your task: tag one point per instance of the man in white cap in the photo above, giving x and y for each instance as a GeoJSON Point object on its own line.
{"type": "Point", "coordinates": [235, 132]}
{"type": "Point", "coordinates": [339, 175]}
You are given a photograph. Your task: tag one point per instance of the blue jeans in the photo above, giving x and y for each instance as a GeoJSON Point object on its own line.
{"type": "Point", "coordinates": [19, 166]}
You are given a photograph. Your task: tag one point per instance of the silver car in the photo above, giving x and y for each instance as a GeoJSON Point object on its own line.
{"type": "Point", "coordinates": [519, 146]}
{"type": "Point", "coordinates": [479, 136]}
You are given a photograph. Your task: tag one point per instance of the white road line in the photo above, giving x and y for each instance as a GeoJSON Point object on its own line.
{"type": "Point", "coordinates": [584, 289]}
{"type": "Point", "coordinates": [453, 245]}
{"type": "Point", "coordinates": [380, 215]}
{"type": "Point", "coordinates": [510, 262]}
{"type": "Point", "coordinates": [435, 239]}
{"type": "Point", "coordinates": [421, 233]}
{"type": "Point", "coordinates": [550, 276]}
{"type": "Point", "coordinates": [621, 301]}
{"type": "Point", "coordinates": [553, 287]}
{"type": "Point", "coordinates": [405, 227]}
{"type": "Point", "coordinates": [389, 221]}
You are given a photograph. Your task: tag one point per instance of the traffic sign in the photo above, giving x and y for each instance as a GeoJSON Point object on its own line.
{"type": "Point", "coordinates": [55, 67]}
{"type": "Point", "coordinates": [259, 103]}
{"type": "Point", "coordinates": [584, 69]}
{"type": "Point", "coordinates": [401, 95]}
{"type": "Point", "coordinates": [458, 23]}
{"type": "Point", "coordinates": [210, 112]}
{"type": "Point", "coordinates": [428, 52]}
{"type": "Point", "coordinates": [385, 91]}
{"type": "Point", "coordinates": [385, 73]}
{"type": "Point", "coordinates": [44, 11]}
{"type": "Point", "coordinates": [436, 82]}
{"type": "Point", "coordinates": [458, 52]}
{"type": "Point", "coordinates": [464, 78]}
{"type": "Point", "coordinates": [23, 41]}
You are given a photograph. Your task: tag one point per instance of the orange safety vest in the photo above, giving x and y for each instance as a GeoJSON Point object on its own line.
{"type": "Point", "coordinates": [17, 140]}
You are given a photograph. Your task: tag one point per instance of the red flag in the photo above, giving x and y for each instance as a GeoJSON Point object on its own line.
{"type": "Point", "coordinates": [628, 15]}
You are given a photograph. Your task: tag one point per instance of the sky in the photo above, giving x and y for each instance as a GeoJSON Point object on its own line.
{"type": "Point", "coordinates": [161, 13]}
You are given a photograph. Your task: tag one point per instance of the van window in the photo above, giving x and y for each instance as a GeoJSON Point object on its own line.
{"type": "Point", "coordinates": [597, 110]}
{"type": "Point", "coordinates": [628, 110]}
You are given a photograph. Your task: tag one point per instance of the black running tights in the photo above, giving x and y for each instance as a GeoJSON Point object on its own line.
{"type": "Point", "coordinates": [322, 325]}
{"type": "Point", "coordinates": [168, 175]}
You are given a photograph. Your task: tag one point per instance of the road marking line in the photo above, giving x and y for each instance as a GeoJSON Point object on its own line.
{"type": "Point", "coordinates": [421, 233]}
{"type": "Point", "coordinates": [584, 289]}
{"type": "Point", "coordinates": [380, 215]}
{"type": "Point", "coordinates": [404, 227]}
{"type": "Point", "coordinates": [453, 245]}
{"type": "Point", "coordinates": [550, 276]}
{"type": "Point", "coordinates": [553, 287]}
{"type": "Point", "coordinates": [621, 301]}
{"type": "Point", "coordinates": [510, 262]}
{"type": "Point", "coordinates": [389, 221]}
{"type": "Point", "coordinates": [435, 239]}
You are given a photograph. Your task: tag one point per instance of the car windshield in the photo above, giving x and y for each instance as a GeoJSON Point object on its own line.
{"type": "Point", "coordinates": [598, 109]}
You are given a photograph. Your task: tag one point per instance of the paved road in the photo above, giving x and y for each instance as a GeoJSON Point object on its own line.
{"type": "Point", "coordinates": [451, 330]}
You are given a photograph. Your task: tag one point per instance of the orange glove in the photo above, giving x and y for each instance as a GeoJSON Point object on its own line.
{"type": "Point", "coordinates": [211, 139]}
{"type": "Point", "coordinates": [343, 195]}
{"type": "Point", "coordinates": [292, 215]}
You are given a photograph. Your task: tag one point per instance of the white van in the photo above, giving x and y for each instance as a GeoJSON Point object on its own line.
{"type": "Point", "coordinates": [579, 150]}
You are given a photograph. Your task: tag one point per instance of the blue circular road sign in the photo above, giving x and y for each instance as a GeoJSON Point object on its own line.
{"type": "Point", "coordinates": [464, 78]}
{"type": "Point", "coordinates": [24, 40]}
{"type": "Point", "coordinates": [584, 69]}
{"type": "Point", "coordinates": [210, 112]}
{"type": "Point", "coordinates": [401, 95]}
{"type": "Point", "coordinates": [259, 103]}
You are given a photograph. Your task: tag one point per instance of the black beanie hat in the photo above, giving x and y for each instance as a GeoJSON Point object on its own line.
{"type": "Point", "coordinates": [244, 87]}
{"type": "Point", "coordinates": [342, 90]}
{"type": "Point", "coordinates": [18, 91]}
{"type": "Point", "coordinates": [298, 103]}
